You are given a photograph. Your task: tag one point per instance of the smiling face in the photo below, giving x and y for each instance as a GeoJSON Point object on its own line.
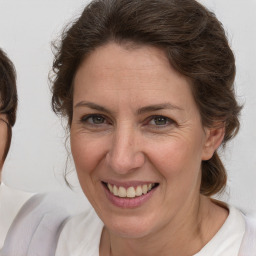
{"type": "Point", "coordinates": [137, 139]}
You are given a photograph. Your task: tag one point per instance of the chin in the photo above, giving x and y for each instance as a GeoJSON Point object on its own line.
{"type": "Point", "coordinates": [130, 227]}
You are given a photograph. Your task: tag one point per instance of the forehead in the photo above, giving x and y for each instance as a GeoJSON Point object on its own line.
{"type": "Point", "coordinates": [113, 57]}
{"type": "Point", "coordinates": [142, 73]}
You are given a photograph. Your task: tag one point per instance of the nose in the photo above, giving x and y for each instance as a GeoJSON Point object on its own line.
{"type": "Point", "coordinates": [125, 154]}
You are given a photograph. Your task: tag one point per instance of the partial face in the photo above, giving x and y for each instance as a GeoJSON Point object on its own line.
{"type": "Point", "coordinates": [3, 137]}
{"type": "Point", "coordinates": [136, 139]}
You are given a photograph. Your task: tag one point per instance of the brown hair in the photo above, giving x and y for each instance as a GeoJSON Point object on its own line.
{"type": "Point", "coordinates": [194, 42]}
{"type": "Point", "coordinates": [8, 95]}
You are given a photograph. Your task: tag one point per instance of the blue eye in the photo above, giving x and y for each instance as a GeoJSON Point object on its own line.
{"type": "Point", "coordinates": [94, 119]}
{"type": "Point", "coordinates": [160, 121]}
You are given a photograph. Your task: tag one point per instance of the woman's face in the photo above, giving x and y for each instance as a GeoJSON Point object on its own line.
{"type": "Point", "coordinates": [3, 137]}
{"type": "Point", "coordinates": [136, 131]}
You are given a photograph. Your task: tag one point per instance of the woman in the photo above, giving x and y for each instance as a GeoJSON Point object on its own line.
{"type": "Point", "coordinates": [11, 200]}
{"type": "Point", "coordinates": [147, 87]}
{"type": "Point", "coordinates": [24, 217]}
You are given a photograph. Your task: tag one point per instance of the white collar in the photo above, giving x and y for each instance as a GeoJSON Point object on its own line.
{"type": "Point", "coordinates": [228, 239]}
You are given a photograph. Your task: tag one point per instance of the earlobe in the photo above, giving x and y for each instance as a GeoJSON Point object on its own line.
{"type": "Point", "coordinates": [214, 138]}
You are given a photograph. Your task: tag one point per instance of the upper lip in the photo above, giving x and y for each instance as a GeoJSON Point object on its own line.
{"type": "Point", "coordinates": [128, 184]}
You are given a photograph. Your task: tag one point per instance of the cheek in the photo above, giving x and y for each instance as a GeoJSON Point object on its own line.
{"type": "Point", "coordinates": [177, 158]}
{"type": "Point", "coordinates": [2, 147]}
{"type": "Point", "coordinates": [3, 140]}
{"type": "Point", "coordinates": [179, 165]}
{"type": "Point", "coordinates": [88, 153]}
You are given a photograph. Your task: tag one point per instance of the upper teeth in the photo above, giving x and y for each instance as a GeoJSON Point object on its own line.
{"type": "Point", "coordinates": [131, 191]}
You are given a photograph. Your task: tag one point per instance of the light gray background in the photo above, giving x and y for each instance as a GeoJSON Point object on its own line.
{"type": "Point", "coordinates": [37, 157]}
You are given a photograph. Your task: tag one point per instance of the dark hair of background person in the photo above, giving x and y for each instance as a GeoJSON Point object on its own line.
{"type": "Point", "coordinates": [193, 40]}
{"type": "Point", "coordinates": [8, 95]}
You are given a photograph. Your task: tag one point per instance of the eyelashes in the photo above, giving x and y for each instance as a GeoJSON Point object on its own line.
{"type": "Point", "coordinates": [160, 120]}
{"type": "Point", "coordinates": [94, 119]}
{"type": "Point", "coordinates": [100, 121]}
{"type": "Point", "coordinates": [95, 122]}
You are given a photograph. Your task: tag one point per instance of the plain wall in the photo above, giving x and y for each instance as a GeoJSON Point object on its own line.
{"type": "Point", "coordinates": [37, 158]}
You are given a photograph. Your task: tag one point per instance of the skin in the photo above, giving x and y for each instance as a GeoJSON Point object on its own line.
{"type": "Point", "coordinates": [125, 143]}
{"type": "Point", "coordinates": [3, 139]}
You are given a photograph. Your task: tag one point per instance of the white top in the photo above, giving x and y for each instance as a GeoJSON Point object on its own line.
{"type": "Point", "coordinates": [36, 228]}
{"type": "Point", "coordinates": [228, 239]}
{"type": "Point", "coordinates": [11, 201]}
{"type": "Point", "coordinates": [81, 236]}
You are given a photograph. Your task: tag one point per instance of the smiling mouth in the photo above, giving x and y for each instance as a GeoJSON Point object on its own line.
{"type": "Point", "coordinates": [130, 192]}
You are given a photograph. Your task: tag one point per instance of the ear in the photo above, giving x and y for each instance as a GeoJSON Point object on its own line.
{"type": "Point", "coordinates": [214, 138]}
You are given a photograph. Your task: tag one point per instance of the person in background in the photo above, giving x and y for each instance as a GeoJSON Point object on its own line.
{"type": "Point", "coordinates": [147, 88]}
{"type": "Point", "coordinates": [30, 223]}
{"type": "Point", "coordinates": [11, 200]}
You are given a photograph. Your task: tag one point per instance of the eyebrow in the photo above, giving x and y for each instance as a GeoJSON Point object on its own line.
{"type": "Point", "coordinates": [157, 107]}
{"type": "Point", "coordinates": [146, 109]}
{"type": "Point", "coordinates": [92, 106]}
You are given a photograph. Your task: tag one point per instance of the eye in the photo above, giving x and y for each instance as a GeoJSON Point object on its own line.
{"type": "Point", "coordinates": [94, 119]}
{"type": "Point", "coordinates": [160, 121]}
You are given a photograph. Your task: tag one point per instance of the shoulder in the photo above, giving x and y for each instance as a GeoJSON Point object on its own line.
{"type": "Point", "coordinates": [248, 246]}
{"type": "Point", "coordinates": [11, 201]}
{"type": "Point", "coordinates": [36, 228]}
{"type": "Point", "coordinates": [81, 234]}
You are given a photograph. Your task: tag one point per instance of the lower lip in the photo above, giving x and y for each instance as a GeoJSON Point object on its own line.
{"type": "Point", "coordinates": [128, 202]}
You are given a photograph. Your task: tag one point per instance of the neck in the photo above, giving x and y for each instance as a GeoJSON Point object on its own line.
{"type": "Point", "coordinates": [186, 234]}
